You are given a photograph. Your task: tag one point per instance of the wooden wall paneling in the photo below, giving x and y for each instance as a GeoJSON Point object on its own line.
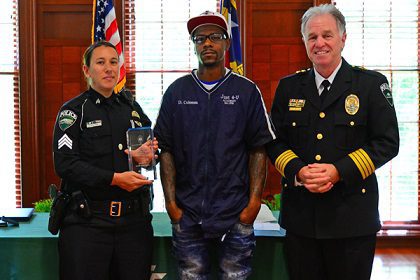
{"type": "Point", "coordinates": [30, 140]}
{"type": "Point", "coordinates": [64, 32]}
{"type": "Point", "coordinates": [319, 2]}
{"type": "Point", "coordinates": [274, 49]}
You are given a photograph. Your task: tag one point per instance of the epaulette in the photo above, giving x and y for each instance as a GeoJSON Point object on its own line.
{"type": "Point", "coordinates": [360, 68]}
{"type": "Point", "coordinates": [302, 71]}
{"type": "Point", "coordinates": [76, 101]}
{"type": "Point", "coordinates": [367, 71]}
{"type": "Point", "coordinates": [126, 94]}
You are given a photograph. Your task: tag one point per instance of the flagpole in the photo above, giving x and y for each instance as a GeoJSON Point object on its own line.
{"type": "Point", "coordinates": [93, 21]}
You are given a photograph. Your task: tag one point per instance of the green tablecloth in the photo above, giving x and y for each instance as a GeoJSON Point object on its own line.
{"type": "Point", "coordinates": [29, 252]}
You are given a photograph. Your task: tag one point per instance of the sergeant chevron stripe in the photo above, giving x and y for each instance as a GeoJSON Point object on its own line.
{"type": "Point", "coordinates": [363, 162]}
{"type": "Point", "coordinates": [283, 160]}
{"type": "Point", "coordinates": [65, 141]}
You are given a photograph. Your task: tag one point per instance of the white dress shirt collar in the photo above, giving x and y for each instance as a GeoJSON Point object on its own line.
{"type": "Point", "coordinates": [319, 79]}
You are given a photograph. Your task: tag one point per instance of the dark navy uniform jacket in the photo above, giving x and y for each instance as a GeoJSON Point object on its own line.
{"type": "Point", "coordinates": [210, 134]}
{"type": "Point", "coordinates": [355, 129]}
{"type": "Point", "coordinates": [89, 142]}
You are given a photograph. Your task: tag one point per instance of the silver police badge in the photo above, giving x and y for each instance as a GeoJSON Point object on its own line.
{"type": "Point", "coordinates": [66, 119]}
{"type": "Point", "coordinates": [352, 104]}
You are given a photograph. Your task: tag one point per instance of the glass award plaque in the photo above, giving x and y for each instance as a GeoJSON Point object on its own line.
{"type": "Point", "coordinates": [141, 157]}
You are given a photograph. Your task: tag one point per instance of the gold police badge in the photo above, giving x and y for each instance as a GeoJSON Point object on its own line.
{"type": "Point", "coordinates": [136, 117]}
{"type": "Point", "coordinates": [352, 104]}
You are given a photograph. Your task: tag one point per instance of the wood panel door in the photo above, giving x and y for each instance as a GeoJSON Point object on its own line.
{"type": "Point", "coordinates": [273, 49]}
{"type": "Point", "coordinates": [64, 32]}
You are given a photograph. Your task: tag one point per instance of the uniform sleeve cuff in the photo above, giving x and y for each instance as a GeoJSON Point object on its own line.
{"type": "Point", "coordinates": [288, 164]}
{"type": "Point", "coordinates": [355, 167]}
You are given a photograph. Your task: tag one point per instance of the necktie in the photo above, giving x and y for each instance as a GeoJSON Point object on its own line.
{"type": "Point", "coordinates": [324, 92]}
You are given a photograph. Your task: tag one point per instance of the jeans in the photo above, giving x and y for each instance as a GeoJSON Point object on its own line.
{"type": "Point", "coordinates": [234, 250]}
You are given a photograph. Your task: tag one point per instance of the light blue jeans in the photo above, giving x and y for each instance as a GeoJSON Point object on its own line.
{"type": "Point", "coordinates": [234, 250]}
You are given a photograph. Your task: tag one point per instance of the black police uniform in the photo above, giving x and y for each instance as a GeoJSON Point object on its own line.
{"type": "Point", "coordinates": [355, 128]}
{"type": "Point", "coordinates": [113, 232]}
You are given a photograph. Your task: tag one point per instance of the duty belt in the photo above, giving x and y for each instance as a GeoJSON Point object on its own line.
{"type": "Point", "coordinates": [116, 208]}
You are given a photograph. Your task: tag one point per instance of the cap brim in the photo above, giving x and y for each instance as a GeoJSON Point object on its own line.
{"type": "Point", "coordinates": [199, 21]}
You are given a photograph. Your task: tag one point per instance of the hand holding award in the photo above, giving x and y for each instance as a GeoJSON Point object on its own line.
{"type": "Point", "coordinates": [141, 151]}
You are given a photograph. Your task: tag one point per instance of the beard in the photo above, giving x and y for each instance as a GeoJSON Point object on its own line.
{"type": "Point", "coordinates": [211, 62]}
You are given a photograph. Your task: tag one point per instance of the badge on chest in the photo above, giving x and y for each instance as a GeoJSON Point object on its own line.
{"type": "Point", "coordinates": [136, 118]}
{"type": "Point", "coordinates": [352, 104]}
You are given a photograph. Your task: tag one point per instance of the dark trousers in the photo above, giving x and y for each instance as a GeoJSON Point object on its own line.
{"type": "Point", "coordinates": [122, 252]}
{"type": "Point", "coordinates": [329, 259]}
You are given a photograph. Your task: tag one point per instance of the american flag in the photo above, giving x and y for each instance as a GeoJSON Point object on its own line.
{"type": "Point", "coordinates": [234, 54]}
{"type": "Point", "coordinates": [105, 27]}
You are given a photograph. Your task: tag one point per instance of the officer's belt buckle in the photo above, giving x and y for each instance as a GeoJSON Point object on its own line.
{"type": "Point", "coordinates": [115, 209]}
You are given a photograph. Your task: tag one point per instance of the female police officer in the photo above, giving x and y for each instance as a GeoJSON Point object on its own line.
{"type": "Point", "coordinates": [106, 232]}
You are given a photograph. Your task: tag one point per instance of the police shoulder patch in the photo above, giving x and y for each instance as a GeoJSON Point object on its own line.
{"type": "Point", "coordinates": [386, 91]}
{"type": "Point", "coordinates": [66, 119]}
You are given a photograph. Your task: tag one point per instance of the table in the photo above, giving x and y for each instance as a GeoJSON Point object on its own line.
{"type": "Point", "coordinates": [29, 252]}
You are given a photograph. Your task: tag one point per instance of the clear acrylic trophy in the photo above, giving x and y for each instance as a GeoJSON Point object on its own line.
{"type": "Point", "coordinates": [141, 156]}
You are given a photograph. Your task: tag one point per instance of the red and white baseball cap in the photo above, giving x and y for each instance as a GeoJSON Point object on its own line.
{"type": "Point", "coordinates": [207, 18]}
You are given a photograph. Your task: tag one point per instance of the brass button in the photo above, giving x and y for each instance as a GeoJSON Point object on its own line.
{"type": "Point", "coordinates": [363, 190]}
{"type": "Point", "coordinates": [285, 185]}
{"type": "Point", "coordinates": [293, 124]}
{"type": "Point", "coordinates": [318, 157]}
{"type": "Point", "coordinates": [120, 147]}
{"type": "Point", "coordinates": [352, 123]}
{"type": "Point", "coordinates": [319, 136]}
{"type": "Point", "coordinates": [322, 115]}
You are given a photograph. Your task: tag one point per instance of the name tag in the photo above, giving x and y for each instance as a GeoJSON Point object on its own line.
{"type": "Point", "coordinates": [94, 124]}
{"type": "Point", "coordinates": [296, 104]}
